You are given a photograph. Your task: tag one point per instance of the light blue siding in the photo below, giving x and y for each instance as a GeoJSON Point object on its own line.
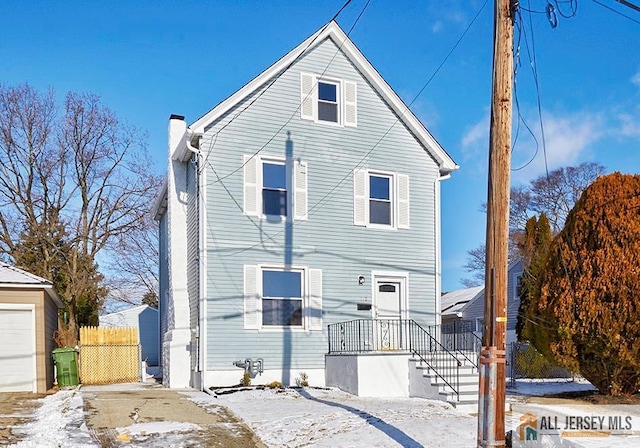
{"type": "Point", "coordinates": [328, 240]}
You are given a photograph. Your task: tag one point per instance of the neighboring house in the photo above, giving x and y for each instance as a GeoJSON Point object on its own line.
{"type": "Point", "coordinates": [309, 197]}
{"type": "Point", "coordinates": [452, 303]}
{"type": "Point", "coordinates": [28, 319]}
{"type": "Point", "coordinates": [145, 318]}
{"type": "Point", "coordinates": [472, 310]}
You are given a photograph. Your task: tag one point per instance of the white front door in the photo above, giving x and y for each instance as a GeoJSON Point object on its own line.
{"type": "Point", "coordinates": [388, 300]}
{"type": "Point", "coordinates": [388, 310]}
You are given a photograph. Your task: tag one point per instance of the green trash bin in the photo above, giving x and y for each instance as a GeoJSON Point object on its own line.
{"type": "Point", "coordinates": [66, 360]}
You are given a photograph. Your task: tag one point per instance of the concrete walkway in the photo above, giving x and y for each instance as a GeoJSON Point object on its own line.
{"type": "Point", "coordinates": [144, 414]}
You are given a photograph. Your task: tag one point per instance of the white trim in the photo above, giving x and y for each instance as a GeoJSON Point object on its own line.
{"type": "Point", "coordinates": [304, 277]}
{"type": "Point", "coordinates": [28, 307]}
{"type": "Point", "coordinates": [366, 199]}
{"type": "Point", "coordinates": [339, 84]}
{"type": "Point", "coordinates": [391, 276]}
{"type": "Point", "coordinates": [393, 199]}
{"type": "Point", "coordinates": [306, 299]}
{"type": "Point", "coordinates": [335, 33]}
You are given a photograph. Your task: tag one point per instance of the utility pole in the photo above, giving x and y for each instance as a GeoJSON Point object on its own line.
{"type": "Point", "coordinates": [491, 424]}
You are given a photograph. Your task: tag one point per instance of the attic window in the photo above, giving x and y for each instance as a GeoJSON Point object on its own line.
{"type": "Point", "coordinates": [327, 102]}
{"type": "Point", "coordinates": [331, 101]}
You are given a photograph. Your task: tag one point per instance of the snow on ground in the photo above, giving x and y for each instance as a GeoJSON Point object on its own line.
{"type": "Point", "coordinates": [330, 418]}
{"type": "Point", "coordinates": [550, 386]}
{"type": "Point", "coordinates": [58, 422]}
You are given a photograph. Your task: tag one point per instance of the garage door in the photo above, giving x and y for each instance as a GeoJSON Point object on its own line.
{"type": "Point", "coordinates": [17, 357]}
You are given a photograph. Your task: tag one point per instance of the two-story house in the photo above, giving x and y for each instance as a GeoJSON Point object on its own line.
{"type": "Point", "coordinates": [309, 197]}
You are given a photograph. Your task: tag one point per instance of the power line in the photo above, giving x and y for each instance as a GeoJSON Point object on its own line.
{"type": "Point", "coordinates": [629, 4]}
{"type": "Point", "coordinates": [295, 112]}
{"type": "Point", "coordinates": [368, 153]}
{"type": "Point", "coordinates": [616, 11]}
{"type": "Point", "coordinates": [220, 179]}
{"type": "Point", "coordinates": [346, 176]}
{"type": "Point", "coordinates": [275, 78]}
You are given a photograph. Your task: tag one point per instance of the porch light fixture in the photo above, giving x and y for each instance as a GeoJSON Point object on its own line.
{"type": "Point", "coordinates": [361, 280]}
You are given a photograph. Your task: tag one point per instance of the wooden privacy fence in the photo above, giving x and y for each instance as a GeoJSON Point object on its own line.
{"type": "Point", "coordinates": [109, 355]}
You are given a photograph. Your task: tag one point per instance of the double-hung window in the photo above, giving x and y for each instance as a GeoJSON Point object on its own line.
{"type": "Point", "coordinates": [380, 199]}
{"type": "Point", "coordinates": [282, 298]}
{"type": "Point", "coordinates": [276, 297]}
{"type": "Point", "coordinates": [380, 203]}
{"type": "Point", "coordinates": [275, 188]}
{"type": "Point", "coordinates": [328, 100]}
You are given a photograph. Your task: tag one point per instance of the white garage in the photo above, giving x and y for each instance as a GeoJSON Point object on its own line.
{"type": "Point", "coordinates": [28, 317]}
{"type": "Point", "coordinates": [18, 358]}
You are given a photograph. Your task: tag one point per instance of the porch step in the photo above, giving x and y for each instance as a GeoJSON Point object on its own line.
{"type": "Point", "coordinates": [432, 386]}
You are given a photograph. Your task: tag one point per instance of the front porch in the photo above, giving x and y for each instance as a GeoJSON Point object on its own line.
{"type": "Point", "coordinates": [401, 358]}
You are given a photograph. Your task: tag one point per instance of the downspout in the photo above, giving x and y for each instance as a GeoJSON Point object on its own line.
{"type": "Point", "coordinates": [202, 287]}
{"type": "Point", "coordinates": [438, 245]}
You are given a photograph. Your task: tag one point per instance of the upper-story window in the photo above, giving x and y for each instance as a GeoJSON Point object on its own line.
{"type": "Point", "coordinates": [275, 188]}
{"type": "Point", "coordinates": [380, 203]}
{"type": "Point", "coordinates": [380, 199]}
{"type": "Point", "coordinates": [328, 100]}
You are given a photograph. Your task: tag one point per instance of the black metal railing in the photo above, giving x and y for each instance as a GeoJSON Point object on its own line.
{"type": "Point", "coordinates": [379, 335]}
{"type": "Point", "coordinates": [458, 336]}
{"type": "Point", "coordinates": [444, 364]}
{"type": "Point", "coordinates": [369, 335]}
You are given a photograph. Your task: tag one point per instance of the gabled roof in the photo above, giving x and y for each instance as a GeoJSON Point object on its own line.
{"type": "Point", "coordinates": [453, 302]}
{"type": "Point", "coordinates": [134, 310]}
{"type": "Point", "coordinates": [13, 277]}
{"type": "Point", "coordinates": [333, 31]}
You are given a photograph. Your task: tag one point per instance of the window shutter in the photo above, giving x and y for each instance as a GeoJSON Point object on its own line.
{"type": "Point", "coordinates": [403, 201]}
{"type": "Point", "coordinates": [350, 103]}
{"type": "Point", "coordinates": [315, 299]}
{"type": "Point", "coordinates": [307, 97]}
{"type": "Point", "coordinates": [300, 201]}
{"type": "Point", "coordinates": [360, 199]}
{"type": "Point", "coordinates": [252, 303]}
{"type": "Point", "coordinates": [251, 190]}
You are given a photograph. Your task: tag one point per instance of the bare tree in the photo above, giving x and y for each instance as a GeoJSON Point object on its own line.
{"type": "Point", "coordinates": [72, 182]}
{"type": "Point", "coordinates": [554, 195]}
{"type": "Point", "coordinates": [135, 265]}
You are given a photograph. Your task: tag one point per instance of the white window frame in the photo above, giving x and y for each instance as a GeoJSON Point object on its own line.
{"type": "Point", "coordinates": [311, 298]}
{"type": "Point", "coordinates": [392, 199]}
{"type": "Point", "coordinates": [296, 188]}
{"type": "Point", "coordinates": [339, 103]}
{"type": "Point", "coordinates": [346, 99]}
{"type": "Point", "coordinates": [479, 325]}
{"type": "Point", "coordinates": [303, 290]}
{"type": "Point", "coordinates": [273, 161]}
{"type": "Point", "coordinates": [517, 281]}
{"type": "Point", "coordinates": [363, 199]}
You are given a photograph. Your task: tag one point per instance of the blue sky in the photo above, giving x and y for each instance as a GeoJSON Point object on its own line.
{"type": "Point", "coordinates": [148, 60]}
